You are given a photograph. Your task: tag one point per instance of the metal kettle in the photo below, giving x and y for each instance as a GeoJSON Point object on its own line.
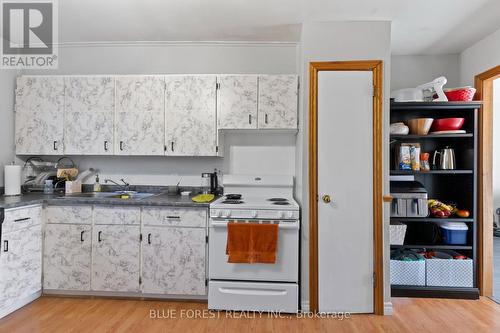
{"type": "Point", "coordinates": [446, 159]}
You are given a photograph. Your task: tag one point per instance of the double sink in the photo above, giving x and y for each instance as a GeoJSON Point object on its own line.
{"type": "Point", "coordinates": [113, 195]}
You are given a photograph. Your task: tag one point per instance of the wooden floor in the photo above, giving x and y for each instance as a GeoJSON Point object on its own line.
{"type": "Point", "coordinates": [51, 314]}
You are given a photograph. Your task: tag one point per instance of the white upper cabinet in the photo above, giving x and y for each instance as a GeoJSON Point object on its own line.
{"type": "Point", "coordinates": [237, 101]}
{"type": "Point", "coordinates": [89, 118]}
{"type": "Point", "coordinates": [190, 128]}
{"type": "Point", "coordinates": [39, 115]}
{"type": "Point", "coordinates": [140, 127]}
{"type": "Point", "coordinates": [278, 101]}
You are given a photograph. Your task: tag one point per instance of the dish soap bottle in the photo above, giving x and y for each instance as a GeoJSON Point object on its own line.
{"type": "Point", "coordinates": [97, 185]}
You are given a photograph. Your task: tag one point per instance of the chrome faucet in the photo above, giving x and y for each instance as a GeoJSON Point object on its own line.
{"type": "Point", "coordinates": [125, 186]}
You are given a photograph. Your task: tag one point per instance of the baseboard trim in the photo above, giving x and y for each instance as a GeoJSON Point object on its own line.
{"type": "Point", "coordinates": [4, 311]}
{"type": "Point", "coordinates": [388, 309]}
{"type": "Point", "coordinates": [122, 295]}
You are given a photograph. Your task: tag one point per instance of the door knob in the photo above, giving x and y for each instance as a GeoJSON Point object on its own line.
{"type": "Point", "coordinates": [326, 198]}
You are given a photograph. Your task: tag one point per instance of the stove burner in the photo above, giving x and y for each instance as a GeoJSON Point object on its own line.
{"type": "Point", "coordinates": [282, 203]}
{"type": "Point", "coordinates": [277, 199]}
{"type": "Point", "coordinates": [232, 202]}
{"type": "Point", "coordinates": [233, 196]}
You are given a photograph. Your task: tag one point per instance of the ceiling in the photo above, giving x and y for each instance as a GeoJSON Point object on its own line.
{"type": "Point", "coordinates": [419, 26]}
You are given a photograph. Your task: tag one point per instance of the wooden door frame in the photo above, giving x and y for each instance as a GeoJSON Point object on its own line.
{"type": "Point", "coordinates": [375, 66]}
{"type": "Point", "coordinates": [484, 85]}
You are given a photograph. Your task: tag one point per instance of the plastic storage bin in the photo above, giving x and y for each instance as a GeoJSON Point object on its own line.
{"type": "Point", "coordinates": [454, 233]}
{"type": "Point", "coordinates": [409, 273]}
{"type": "Point", "coordinates": [449, 272]}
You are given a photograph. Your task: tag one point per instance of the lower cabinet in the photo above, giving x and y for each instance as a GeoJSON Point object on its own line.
{"type": "Point", "coordinates": [173, 260]}
{"type": "Point", "coordinates": [67, 257]}
{"type": "Point", "coordinates": [115, 265]}
{"type": "Point", "coordinates": [20, 267]}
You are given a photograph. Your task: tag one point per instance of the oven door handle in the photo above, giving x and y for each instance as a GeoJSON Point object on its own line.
{"type": "Point", "coordinates": [284, 225]}
{"type": "Point", "coordinates": [254, 292]}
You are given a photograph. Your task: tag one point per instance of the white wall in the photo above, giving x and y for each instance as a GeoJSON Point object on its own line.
{"type": "Point", "coordinates": [7, 85]}
{"type": "Point", "coordinates": [330, 41]}
{"type": "Point", "coordinates": [496, 145]}
{"type": "Point", "coordinates": [180, 58]}
{"type": "Point", "coordinates": [413, 70]}
{"type": "Point", "coordinates": [480, 57]}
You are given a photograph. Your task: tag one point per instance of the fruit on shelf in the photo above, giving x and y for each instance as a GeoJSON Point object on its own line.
{"type": "Point", "coordinates": [463, 213]}
{"type": "Point", "coordinates": [440, 209]}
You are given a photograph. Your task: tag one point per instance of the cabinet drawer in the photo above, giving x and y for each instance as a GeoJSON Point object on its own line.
{"type": "Point", "coordinates": [253, 296]}
{"type": "Point", "coordinates": [69, 214]}
{"type": "Point", "coordinates": [184, 217]}
{"type": "Point", "coordinates": [22, 217]}
{"type": "Point", "coordinates": [117, 215]}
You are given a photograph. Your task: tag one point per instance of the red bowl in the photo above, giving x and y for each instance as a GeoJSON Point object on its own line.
{"type": "Point", "coordinates": [447, 124]}
{"type": "Point", "coordinates": [465, 94]}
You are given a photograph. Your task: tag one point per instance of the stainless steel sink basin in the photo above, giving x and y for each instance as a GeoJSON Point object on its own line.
{"type": "Point", "coordinates": [112, 195]}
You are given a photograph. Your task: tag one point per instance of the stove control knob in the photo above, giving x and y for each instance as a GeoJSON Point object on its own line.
{"type": "Point", "coordinates": [219, 213]}
{"type": "Point", "coordinates": [254, 214]}
{"type": "Point", "coordinates": [227, 213]}
{"type": "Point", "coordinates": [290, 215]}
{"type": "Point", "coordinates": [281, 215]}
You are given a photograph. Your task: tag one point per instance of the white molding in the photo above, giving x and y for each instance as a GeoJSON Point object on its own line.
{"type": "Point", "coordinates": [388, 309]}
{"type": "Point", "coordinates": [176, 43]}
{"type": "Point", "coordinates": [304, 306]}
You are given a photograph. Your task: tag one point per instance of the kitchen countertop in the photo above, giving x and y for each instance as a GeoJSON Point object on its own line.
{"type": "Point", "coordinates": [54, 199]}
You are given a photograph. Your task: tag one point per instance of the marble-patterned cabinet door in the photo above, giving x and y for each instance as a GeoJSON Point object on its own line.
{"type": "Point", "coordinates": [237, 101]}
{"type": "Point", "coordinates": [278, 101]}
{"type": "Point", "coordinates": [190, 112]}
{"type": "Point", "coordinates": [89, 115]}
{"type": "Point", "coordinates": [21, 264]}
{"type": "Point", "coordinates": [140, 127]}
{"type": "Point", "coordinates": [39, 115]}
{"type": "Point", "coordinates": [67, 257]}
{"type": "Point", "coordinates": [115, 265]}
{"type": "Point", "coordinates": [173, 260]}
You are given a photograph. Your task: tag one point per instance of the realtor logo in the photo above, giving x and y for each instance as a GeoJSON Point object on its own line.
{"type": "Point", "coordinates": [29, 34]}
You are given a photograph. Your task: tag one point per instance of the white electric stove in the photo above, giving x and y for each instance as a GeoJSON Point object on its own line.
{"type": "Point", "coordinates": [255, 287]}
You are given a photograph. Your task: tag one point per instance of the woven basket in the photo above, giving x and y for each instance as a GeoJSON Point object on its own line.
{"type": "Point", "coordinates": [397, 234]}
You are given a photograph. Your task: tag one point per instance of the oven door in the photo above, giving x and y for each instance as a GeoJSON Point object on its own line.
{"type": "Point", "coordinates": [286, 268]}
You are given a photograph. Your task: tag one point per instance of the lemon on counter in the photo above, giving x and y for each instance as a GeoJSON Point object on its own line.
{"type": "Point", "coordinates": [201, 198]}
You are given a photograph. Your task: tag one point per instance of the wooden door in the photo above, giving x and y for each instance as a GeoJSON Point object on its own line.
{"type": "Point", "coordinates": [345, 189]}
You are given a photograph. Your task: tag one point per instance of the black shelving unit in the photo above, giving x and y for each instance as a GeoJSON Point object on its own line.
{"type": "Point", "coordinates": [450, 186]}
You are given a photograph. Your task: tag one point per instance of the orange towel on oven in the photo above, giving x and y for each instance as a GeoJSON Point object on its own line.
{"type": "Point", "coordinates": [252, 243]}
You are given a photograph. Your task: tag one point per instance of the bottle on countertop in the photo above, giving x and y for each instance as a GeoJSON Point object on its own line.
{"type": "Point", "coordinates": [97, 185]}
{"type": "Point", "coordinates": [48, 188]}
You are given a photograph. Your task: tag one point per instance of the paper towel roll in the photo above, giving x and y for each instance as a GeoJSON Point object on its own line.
{"type": "Point", "coordinates": [12, 179]}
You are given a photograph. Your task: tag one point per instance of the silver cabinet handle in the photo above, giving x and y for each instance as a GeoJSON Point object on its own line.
{"type": "Point", "coordinates": [121, 145]}
{"type": "Point", "coordinates": [55, 144]}
{"type": "Point", "coordinates": [23, 219]}
{"type": "Point", "coordinates": [172, 145]}
{"type": "Point", "coordinates": [106, 145]}
{"type": "Point", "coordinates": [250, 119]}
{"type": "Point", "coordinates": [169, 217]}
{"type": "Point", "coordinates": [265, 118]}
